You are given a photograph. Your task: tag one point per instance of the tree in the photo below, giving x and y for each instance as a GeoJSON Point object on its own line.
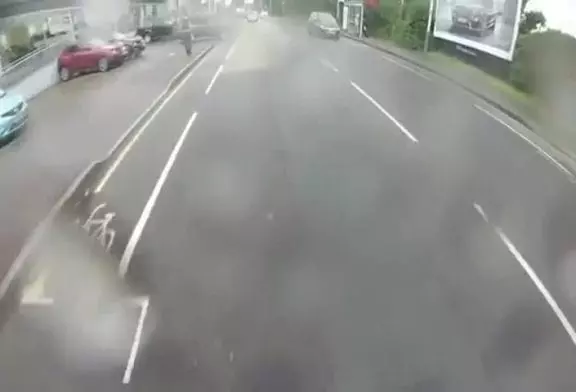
{"type": "Point", "coordinates": [543, 59]}
{"type": "Point", "coordinates": [531, 21]}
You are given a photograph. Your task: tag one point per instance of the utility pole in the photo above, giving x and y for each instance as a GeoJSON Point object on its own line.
{"type": "Point", "coordinates": [429, 26]}
{"type": "Point", "coordinates": [361, 27]}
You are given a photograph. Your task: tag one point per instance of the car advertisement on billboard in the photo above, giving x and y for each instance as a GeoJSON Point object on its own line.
{"type": "Point", "coordinates": [490, 26]}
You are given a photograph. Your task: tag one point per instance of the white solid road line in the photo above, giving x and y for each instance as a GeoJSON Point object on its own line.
{"type": "Point", "coordinates": [480, 210]}
{"type": "Point", "coordinates": [406, 67]}
{"type": "Point", "coordinates": [139, 228]}
{"type": "Point", "coordinates": [129, 146]}
{"type": "Point", "coordinates": [136, 342]}
{"type": "Point", "coordinates": [534, 277]}
{"type": "Point", "coordinates": [543, 290]}
{"type": "Point", "coordinates": [379, 107]}
{"type": "Point", "coordinates": [231, 51]}
{"type": "Point", "coordinates": [218, 72]}
{"type": "Point", "coordinates": [527, 140]}
{"type": "Point", "coordinates": [328, 64]}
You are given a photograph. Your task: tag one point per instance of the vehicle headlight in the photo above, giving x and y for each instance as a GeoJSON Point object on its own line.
{"type": "Point", "coordinates": [14, 111]}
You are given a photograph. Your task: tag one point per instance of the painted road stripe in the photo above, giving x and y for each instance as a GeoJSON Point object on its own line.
{"type": "Point", "coordinates": [547, 156]}
{"type": "Point", "coordinates": [139, 228]}
{"type": "Point", "coordinates": [532, 275]}
{"type": "Point", "coordinates": [329, 65]}
{"type": "Point", "coordinates": [218, 72]}
{"type": "Point", "coordinates": [35, 292]}
{"type": "Point", "coordinates": [129, 146]}
{"type": "Point", "coordinates": [393, 61]}
{"type": "Point", "coordinates": [136, 341]}
{"type": "Point", "coordinates": [385, 112]}
{"type": "Point", "coordinates": [231, 51]}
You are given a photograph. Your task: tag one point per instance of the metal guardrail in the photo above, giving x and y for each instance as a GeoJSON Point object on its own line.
{"type": "Point", "coordinates": [32, 62]}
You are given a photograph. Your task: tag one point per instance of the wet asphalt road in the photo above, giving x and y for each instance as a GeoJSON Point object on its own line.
{"type": "Point", "coordinates": [319, 218]}
{"type": "Point", "coordinates": [71, 125]}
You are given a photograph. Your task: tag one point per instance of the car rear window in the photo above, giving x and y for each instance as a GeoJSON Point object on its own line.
{"type": "Point", "coordinates": [327, 20]}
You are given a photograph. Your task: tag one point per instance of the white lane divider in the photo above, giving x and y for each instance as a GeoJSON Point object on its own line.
{"type": "Point", "coordinates": [136, 341]}
{"type": "Point", "coordinates": [387, 58]}
{"type": "Point", "coordinates": [231, 51]}
{"type": "Point", "coordinates": [532, 275]}
{"type": "Point", "coordinates": [139, 228]}
{"type": "Point", "coordinates": [218, 72]}
{"type": "Point", "coordinates": [385, 112]}
{"type": "Point", "coordinates": [329, 65]}
{"type": "Point", "coordinates": [539, 149]}
{"type": "Point", "coordinates": [129, 146]}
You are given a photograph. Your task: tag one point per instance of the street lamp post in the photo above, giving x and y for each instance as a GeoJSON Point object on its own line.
{"type": "Point", "coordinates": [429, 26]}
{"type": "Point", "coordinates": [361, 27]}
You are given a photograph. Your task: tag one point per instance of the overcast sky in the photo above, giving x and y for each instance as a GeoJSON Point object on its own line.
{"type": "Point", "coordinates": [561, 14]}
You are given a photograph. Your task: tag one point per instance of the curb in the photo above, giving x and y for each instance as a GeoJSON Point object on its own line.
{"type": "Point", "coordinates": [566, 156]}
{"type": "Point", "coordinates": [157, 102]}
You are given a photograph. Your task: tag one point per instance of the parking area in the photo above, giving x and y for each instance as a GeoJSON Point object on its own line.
{"type": "Point", "coordinates": [71, 125]}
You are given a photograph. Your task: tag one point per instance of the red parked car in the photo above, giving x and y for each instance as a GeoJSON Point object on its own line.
{"type": "Point", "coordinates": [95, 55]}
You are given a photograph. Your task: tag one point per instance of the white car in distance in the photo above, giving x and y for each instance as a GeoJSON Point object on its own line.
{"type": "Point", "coordinates": [252, 16]}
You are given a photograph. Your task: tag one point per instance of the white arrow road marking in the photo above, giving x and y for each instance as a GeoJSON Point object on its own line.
{"type": "Point", "coordinates": [35, 292]}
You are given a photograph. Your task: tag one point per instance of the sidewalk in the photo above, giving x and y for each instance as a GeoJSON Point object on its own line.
{"type": "Point", "coordinates": [38, 81]}
{"type": "Point", "coordinates": [521, 107]}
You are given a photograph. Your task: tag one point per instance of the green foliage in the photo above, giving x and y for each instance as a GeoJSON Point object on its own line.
{"type": "Point", "coordinates": [532, 20]}
{"type": "Point", "coordinates": [404, 25]}
{"type": "Point", "coordinates": [542, 60]}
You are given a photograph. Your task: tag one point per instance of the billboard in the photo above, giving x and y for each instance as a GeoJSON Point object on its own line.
{"type": "Point", "coordinates": [490, 26]}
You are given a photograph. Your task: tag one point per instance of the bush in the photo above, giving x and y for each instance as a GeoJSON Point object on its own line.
{"type": "Point", "coordinates": [406, 26]}
{"type": "Point", "coordinates": [410, 30]}
{"type": "Point", "coordinates": [542, 60]}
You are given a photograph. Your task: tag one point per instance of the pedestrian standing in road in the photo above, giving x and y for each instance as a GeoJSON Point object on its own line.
{"type": "Point", "coordinates": [186, 35]}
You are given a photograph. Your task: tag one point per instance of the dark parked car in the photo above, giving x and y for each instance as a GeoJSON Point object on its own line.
{"type": "Point", "coordinates": [95, 55]}
{"type": "Point", "coordinates": [476, 16]}
{"type": "Point", "coordinates": [323, 24]}
{"type": "Point", "coordinates": [155, 32]}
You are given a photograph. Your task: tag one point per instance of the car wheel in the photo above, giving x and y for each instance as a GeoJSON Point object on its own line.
{"type": "Point", "coordinates": [103, 65]}
{"type": "Point", "coordinates": [64, 74]}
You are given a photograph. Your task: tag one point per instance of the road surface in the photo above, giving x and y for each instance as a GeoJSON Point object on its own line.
{"type": "Point", "coordinates": [310, 215]}
{"type": "Point", "coordinates": [71, 125]}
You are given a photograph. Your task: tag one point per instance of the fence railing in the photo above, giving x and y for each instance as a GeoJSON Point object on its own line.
{"type": "Point", "coordinates": [27, 65]}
